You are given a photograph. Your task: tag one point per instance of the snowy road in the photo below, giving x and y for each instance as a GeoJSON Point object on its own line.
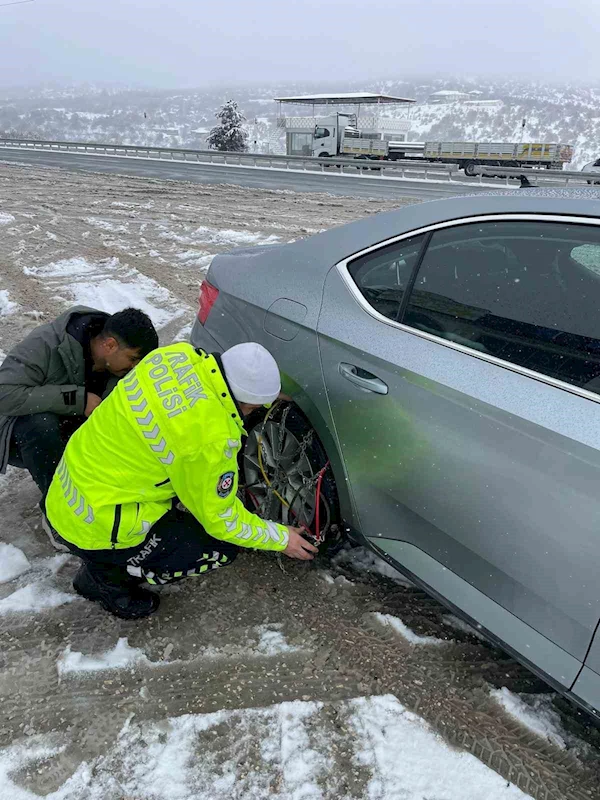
{"type": "Point", "coordinates": [257, 178]}
{"type": "Point", "coordinates": [327, 681]}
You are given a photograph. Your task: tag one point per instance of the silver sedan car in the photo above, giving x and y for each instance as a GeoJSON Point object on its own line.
{"type": "Point", "coordinates": [444, 365]}
{"type": "Point", "coordinates": [593, 166]}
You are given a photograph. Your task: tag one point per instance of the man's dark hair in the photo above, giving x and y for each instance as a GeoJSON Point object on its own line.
{"type": "Point", "coordinates": [132, 328]}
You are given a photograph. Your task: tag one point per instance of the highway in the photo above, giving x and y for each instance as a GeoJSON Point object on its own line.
{"type": "Point", "coordinates": [253, 177]}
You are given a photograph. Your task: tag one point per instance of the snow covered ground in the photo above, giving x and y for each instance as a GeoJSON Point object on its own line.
{"type": "Point", "coordinates": [263, 680]}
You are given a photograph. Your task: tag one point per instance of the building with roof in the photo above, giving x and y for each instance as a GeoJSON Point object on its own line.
{"type": "Point", "coordinates": [365, 115]}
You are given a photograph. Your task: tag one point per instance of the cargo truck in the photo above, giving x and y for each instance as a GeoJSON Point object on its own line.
{"type": "Point", "coordinates": [335, 136]}
{"type": "Point", "coordinates": [497, 154]}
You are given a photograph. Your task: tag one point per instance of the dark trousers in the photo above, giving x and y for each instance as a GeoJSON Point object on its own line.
{"type": "Point", "coordinates": [38, 442]}
{"type": "Point", "coordinates": [176, 547]}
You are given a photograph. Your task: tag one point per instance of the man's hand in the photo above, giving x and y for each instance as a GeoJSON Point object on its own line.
{"type": "Point", "coordinates": [93, 401]}
{"type": "Point", "coordinates": [298, 547]}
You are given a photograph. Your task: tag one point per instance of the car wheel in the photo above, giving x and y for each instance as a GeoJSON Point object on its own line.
{"type": "Point", "coordinates": [281, 484]}
{"type": "Point", "coordinates": [470, 168]}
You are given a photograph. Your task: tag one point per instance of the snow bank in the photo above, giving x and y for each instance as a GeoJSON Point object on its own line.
{"type": "Point", "coordinates": [224, 238]}
{"type": "Point", "coordinates": [109, 286]}
{"type": "Point", "coordinates": [538, 717]}
{"type": "Point", "coordinates": [6, 219]}
{"type": "Point", "coordinates": [390, 621]}
{"type": "Point", "coordinates": [13, 562]}
{"type": "Point", "coordinates": [409, 760]}
{"type": "Point", "coordinates": [287, 751]}
{"type": "Point", "coordinates": [365, 560]}
{"type": "Point", "coordinates": [121, 656]}
{"type": "Point", "coordinates": [35, 597]}
{"type": "Point", "coordinates": [7, 306]}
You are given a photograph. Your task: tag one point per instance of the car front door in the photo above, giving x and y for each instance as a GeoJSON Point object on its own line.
{"type": "Point", "coordinates": [461, 365]}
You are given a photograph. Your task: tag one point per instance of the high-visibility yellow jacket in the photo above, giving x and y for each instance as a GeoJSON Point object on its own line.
{"type": "Point", "coordinates": [170, 428]}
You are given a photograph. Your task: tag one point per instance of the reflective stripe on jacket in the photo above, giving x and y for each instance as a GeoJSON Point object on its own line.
{"type": "Point", "coordinates": [170, 428]}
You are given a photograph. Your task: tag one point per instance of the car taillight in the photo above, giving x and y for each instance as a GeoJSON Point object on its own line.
{"type": "Point", "coordinates": [208, 295]}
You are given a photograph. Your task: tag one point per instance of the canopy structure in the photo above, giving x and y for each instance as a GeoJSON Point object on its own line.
{"type": "Point", "coordinates": [344, 98]}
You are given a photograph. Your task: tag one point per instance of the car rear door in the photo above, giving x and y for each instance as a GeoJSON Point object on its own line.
{"type": "Point", "coordinates": [461, 364]}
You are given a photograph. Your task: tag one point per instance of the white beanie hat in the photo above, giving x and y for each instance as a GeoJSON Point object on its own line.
{"type": "Point", "coordinates": [252, 373]}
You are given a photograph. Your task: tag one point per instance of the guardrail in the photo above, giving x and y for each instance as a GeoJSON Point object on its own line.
{"type": "Point", "coordinates": [412, 169]}
{"type": "Point", "coordinates": [537, 176]}
{"type": "Point", "coordinates": [399, 169]}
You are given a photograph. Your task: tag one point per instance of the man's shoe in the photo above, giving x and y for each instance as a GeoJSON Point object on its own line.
{"type": "Point", "coordinates": [52, 536]}
{"type": "Point", "coordinates": [125, 600]}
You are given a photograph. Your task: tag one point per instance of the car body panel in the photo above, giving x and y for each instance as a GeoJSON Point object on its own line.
{"type": "Point", "coordinates": [587, 689]}
{"type": "Point", "coordinates": [518, 636]}
{"type": "Point", "coordinates": [485, 469]}
{"type": "Point", "coordinates": [480, 474]}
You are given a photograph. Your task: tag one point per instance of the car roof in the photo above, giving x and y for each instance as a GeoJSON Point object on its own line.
{"type": "Point", "coordinates": [339, 243]}
{"type": "Point", "coordinates": [297, 270]}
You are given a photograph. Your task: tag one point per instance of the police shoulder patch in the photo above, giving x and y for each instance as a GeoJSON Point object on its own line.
{"type": "Point", "coordinates": [225, 484]}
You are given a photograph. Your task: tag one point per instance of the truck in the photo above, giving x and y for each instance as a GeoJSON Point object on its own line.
{"type": "Point", "coordinates": [338, 135]}
{"type": "Point", "coordinates": [497, 154]}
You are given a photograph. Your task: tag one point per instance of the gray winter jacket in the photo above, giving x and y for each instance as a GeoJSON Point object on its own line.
{"type": "Point", "coordinates": [43, 373]}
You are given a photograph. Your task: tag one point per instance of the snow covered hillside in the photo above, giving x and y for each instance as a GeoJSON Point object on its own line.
{"type": "Point", "coordinates": [559, 113]}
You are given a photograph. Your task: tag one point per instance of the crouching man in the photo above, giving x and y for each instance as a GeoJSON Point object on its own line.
{"type": "Point", "coordinates": [56, 377]}
{"type": "Point", "coordinates": [170, 430]}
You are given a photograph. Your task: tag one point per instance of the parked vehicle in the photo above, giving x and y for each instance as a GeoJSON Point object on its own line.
{"type": "Point", "coordinates": [593, 166]}
{"type": "Point", "coordinates": [444, 361]}
{"type": "Point", "coordinates": [494, 154]}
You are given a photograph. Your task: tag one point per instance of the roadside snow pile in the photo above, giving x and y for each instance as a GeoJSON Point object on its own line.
{"type": "Point", "coordinates": [364, 560]}
{"type": "Point", "coordinates": [411, 637]}
{"type": "Point", "coordinates": [6, 219]}
{"type": "Point", "coordinates": [537, 715]}
{"type": "Point", "coordinates": [7, 306]}
{"type": "Point", "coordinates": [288, 751]}
{"type": "Point", "coordinates": [121, 656]}
{"type": "Point", "coordinates": [35, 597]}
{"type": "Point", "coordinates": [109, 286]}
{"type": "Point", "coordinates": [13, 562]}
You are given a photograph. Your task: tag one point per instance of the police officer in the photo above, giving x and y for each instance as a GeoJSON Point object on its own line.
{"type": "Point", "coordinates": [171, 429]}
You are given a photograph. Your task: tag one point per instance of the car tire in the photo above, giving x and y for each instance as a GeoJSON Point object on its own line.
{"type": "Point", "coordinates": [295, 480]}
{"type": "Point", "coordinates": [470, 168]}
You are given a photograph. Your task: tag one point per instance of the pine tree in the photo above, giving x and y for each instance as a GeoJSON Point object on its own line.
{"type": "Point", "coordinates": [229, 135]}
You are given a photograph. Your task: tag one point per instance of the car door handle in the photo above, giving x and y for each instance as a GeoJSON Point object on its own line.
{"type": "Point", "coordinates": [366, 380]}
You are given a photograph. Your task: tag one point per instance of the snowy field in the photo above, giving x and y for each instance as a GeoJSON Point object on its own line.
{"type": "Point", "coordinates": [332, 681]}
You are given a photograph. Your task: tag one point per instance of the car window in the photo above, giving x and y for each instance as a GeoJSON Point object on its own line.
{"type": "Point", "coordinates": [382, 275]}
{"type": "Point", "coordinates": [525, 292]}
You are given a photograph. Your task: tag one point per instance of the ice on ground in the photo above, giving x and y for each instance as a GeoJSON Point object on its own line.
{"type": "Point", "coordinates": [365, 560]}
{"type": "Point", "coordinates": [109, 286]}
{"type": "Point", "coordinates": [76, 267]}
{"type": "Point", "coordinates": [286, 751]}
{"type": "Point", "coordinates": [271, 641]}
{"type": "Point", "coordinates": [183, 335]}
{"type": "Point", "coordinates": [204, 235]}
{"type": "Point", "coordinates": [105, 225]}
{"type": "Point", "coordinates": [537, 716]}
{"type": "Point", "coordinates": [409, 760]}
{"type": "Point", "coordinates": [7, 306]}
{"type": "Point", "coordinates": [413, 638]}
{"type": "Point", "coordinates": [6, 219]}
{"type": "Point", "coordinates": [122, 655]}
{"type": "Point", "coordinates": [35, 597]}
{"type": "Point", "coordinates": [13, 562]}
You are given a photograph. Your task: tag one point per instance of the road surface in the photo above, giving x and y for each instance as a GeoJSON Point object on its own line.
{"type": "Point", "coordinates": [252, 177]}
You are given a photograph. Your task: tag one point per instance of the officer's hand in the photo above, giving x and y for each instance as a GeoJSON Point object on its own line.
{"type": "Point", "coordinates": [298, 547]}
{"type": "Point", "coordinates": [93, 401]}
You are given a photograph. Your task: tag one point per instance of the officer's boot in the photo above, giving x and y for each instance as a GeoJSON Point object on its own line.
{"type": "Point", "coordinates": [115, 591]}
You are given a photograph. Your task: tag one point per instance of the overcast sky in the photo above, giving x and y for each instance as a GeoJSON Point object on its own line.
{"type": "Point", "coordinates": [185, 43]}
